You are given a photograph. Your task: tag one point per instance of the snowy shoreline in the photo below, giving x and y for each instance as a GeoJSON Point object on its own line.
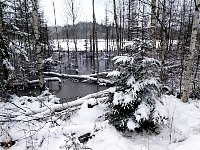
{"type": "Point", "coordinates": [54, 125]}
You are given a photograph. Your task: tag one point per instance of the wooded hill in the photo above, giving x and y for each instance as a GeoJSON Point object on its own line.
{"type": "Point", "coordinates": [83, 30]}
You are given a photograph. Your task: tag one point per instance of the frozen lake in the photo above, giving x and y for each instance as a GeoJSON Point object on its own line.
{"type": "Point", "coordinates": [72, 89]}
{"type": "Point", "coordinates": [67, 64]}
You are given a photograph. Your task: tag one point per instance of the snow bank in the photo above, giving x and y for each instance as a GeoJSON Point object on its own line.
{"type": "Point", "coordinates": [64, 127]}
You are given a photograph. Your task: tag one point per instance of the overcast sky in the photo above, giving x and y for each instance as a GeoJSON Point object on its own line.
{"type": "Point", "coordinates": [85, 10]}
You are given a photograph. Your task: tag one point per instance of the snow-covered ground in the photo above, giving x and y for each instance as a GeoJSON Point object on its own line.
{"type": "Point", "coordinates": [40, 123]}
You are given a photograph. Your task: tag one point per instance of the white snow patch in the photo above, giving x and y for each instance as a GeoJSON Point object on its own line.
{"type": "Point", "coordinates": [142, 112]}
{"type": "Point", "coordinates": [127, 98]}
{"type": "Point", "coordinates": [130, 81]}
{"type": "Point", "coordinates": [113, 74]}
{"type": "Point", "coordinates": [8, 65]}
{"type": "Point", "coordinates": [118, 97]}
{"type": "Point", "coordinates": [131, 125]}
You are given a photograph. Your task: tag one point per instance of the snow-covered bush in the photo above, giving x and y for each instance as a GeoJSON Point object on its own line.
{"type": "Point", "coordinates": [136, 104]}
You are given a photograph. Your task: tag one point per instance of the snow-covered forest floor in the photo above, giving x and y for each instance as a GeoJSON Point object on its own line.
{"type": "Point", "coordinates": [42, 123]}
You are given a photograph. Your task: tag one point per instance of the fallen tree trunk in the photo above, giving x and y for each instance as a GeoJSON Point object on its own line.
{"type": "Point", "coordinates": [49, 111]}
{"type": "Point", "coordinates": [37, 81]}
{"type": "Point", "coordinates": [78, 102]}
{"type": "Point", "coordinates": [100, 74]}
{"type": "Point", "coordinates": [81, 77]}
{"type": "Point", "coordinates": [56, 109]}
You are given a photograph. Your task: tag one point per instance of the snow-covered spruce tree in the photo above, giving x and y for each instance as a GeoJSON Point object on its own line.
{"type": "Point", "coordinates": [5, 65]}
{"type": "Point", "coordinates": [136, 104]}
{"type": "Point", "coordinates": [10, 50]}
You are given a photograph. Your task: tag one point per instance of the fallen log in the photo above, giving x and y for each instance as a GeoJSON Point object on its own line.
{"type": "Point", "coordinates": [37, 81]}
{"type": "Point", "coordinates": [82, 78]}
{"type": "Point", "coordinates": [48, 110]}
{"type": "Point", "coordinates": [102, 96]}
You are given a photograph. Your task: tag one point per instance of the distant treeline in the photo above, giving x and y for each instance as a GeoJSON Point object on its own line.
{"type": "Point", "coordinates": [83, 30]}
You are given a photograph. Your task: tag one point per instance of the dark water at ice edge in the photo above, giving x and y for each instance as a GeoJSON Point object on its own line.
{"type": "Point", "coordinates": [67, 92]}
{"type": "Point", "coordinates": [71, 90]}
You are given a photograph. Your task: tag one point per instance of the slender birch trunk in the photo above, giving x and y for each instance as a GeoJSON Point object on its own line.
{"type": "Point", "coordinates": [181, 43]}
{"type": "Point", "coordinates": [129, 20]}
{"type": "Point", "coordinates": [58, 43]}
{"type": "Point", "coordinates": [116, 27]}
{"type": "Point", "coordinates": [163, 42]}
{"type": "Point", "coordinates": [29, 54]}
{"type": "Point", "coordinates": [1, 49]}
{"type": "Point", "coordinates": [67, 36]}
{"type": "Point", "coordinates": [153, 27]}
{"type": "Point", "coordinates": [74, 30]}
{"type": "Point", "coordinates": [93, 41]}
{"type": "Point", "coordinates": [90, 46]}
{"type": "Point", "coordinates": [107, 29]}
{"type": "Point", "coordinates": [123, 23]}
{"type": "Point", "coordinates": [38, 46]}
{"type": "Point", "coordinates": [193, 51]}
{"type": "Point", "coordinates": [120, 27]}
{"type": "Point", "coordinates": [96, 41]}
{"type": "Point", "coordinates": [196, 72]}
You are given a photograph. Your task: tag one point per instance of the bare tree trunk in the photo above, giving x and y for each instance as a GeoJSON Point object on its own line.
{"type": "Point", "coordinates": [72, 12]}
{"type": "Point", "coordinates": [163, 42]}
{"type": "Point", "coordinates": [196, 72]}
{"type": "Point", "coordinates": [96, 41]}
{"type": "Point", "coordinates": [1, 50]}
{"type": "Point", "coordinates": [193, 51]}
{"type": "Point", "coordinates": [93, 42]}
{"type": "Point", "coordinates": [90, 46]}
{"type": "Point", "coordinates": [123, 23]}
{"type": "Point", "coordinates": [27, 30]}
{"type": "Point", "coordinates": [107, 30]}
{"type": "Point", "coordinates": [67, 36]}
{"type": "Point", "coordinates": [153, 27]}
{"type": "Point", "coordinates": [116, 27]}
{"type": "Point", "coordinates": [120, 27]}
{"type": "Point", "coordinates": [129, 20]}
{"type": "Point", "coordinates": [73, 26]}
{"type": "Point", "coordinates": [58, 44]}
{"type": "Point", "coordinates": [181, 45]}
{"type": "Point", "coordinates": [38, 46]}
{"type": "Point", "coordinates": [107, 39]}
